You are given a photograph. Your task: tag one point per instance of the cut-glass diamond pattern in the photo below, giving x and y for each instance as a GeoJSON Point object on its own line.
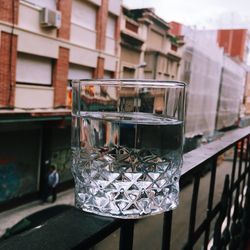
{"type": "Point", "coordinates": [143, 184]}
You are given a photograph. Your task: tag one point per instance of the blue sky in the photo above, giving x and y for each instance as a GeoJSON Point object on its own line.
{"type": "Point", "coordinates": [201, 13]}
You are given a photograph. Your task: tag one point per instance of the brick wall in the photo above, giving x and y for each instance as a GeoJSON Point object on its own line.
{"type": "Point", "coordinates": [9, 11]}
{"type": "Point", "coordinates": [8, 55]}
{"type": "Point", "coordinates": [65, 6]}
{"type": "Point", "coordinates": [101, 24]}
{"type": "Point", "coordinates": [239, 43]}
{"type": "Point", "coordinates": [99, 71]}
{"type": "Point", "coordinates": [60, 77]}
{"type": "Point", "coordinates": [233, 41]}
{"type": "Point", "coordinates": [176, 28]}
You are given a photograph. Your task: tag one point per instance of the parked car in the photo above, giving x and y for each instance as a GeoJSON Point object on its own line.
{"type": "Point", "coordinates": [35, 220]}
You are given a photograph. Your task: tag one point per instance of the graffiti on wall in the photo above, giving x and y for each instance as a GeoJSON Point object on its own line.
{"type": "Point", "coordinates": [16, 179]}
{"type": "Point", "coordinates": [61, 159]}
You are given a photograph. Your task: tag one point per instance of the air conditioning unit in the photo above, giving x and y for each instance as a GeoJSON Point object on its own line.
{"type": "Point", "coordinates": [50, 18]}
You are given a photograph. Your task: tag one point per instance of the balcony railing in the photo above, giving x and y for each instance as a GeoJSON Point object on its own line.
{"type": "Point", "coordinates": [225, 222]}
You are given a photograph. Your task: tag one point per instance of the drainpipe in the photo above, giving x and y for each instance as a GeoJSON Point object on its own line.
{"type": "Point", "coordinates": [155, 65]}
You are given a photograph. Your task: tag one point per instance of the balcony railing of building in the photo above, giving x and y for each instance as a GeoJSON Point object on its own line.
{"type": "Point", "coordinates": [225, 222]}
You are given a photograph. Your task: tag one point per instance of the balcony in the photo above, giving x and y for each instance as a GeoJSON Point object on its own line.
{"type": "Point", "coordinates": [213, 212]}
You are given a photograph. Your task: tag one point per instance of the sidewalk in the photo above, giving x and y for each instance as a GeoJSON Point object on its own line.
{"type": "Point", "coordinates": [10, 217]}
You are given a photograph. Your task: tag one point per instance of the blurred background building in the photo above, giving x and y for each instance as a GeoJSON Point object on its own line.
{"type": "Point", "coordinates": [214, 66]}
{"type": "Point", "coordinates": [43, 44]}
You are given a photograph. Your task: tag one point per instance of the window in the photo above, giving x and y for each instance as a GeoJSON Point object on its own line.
{"type": "Point", "coordinates": [155, 40]}
{"type": "Point", "coordinates": [33, 69]}
{"type": "Point", "coordinates": [174, 47]}
{"type": "Point", "coordinates": [128, 73]}
{"type": "Point", "coordinates": [111, 26]}
{"type": "Point", "coordinates": [108, 74]}
{"type": "Point", "coordinates": [130, 26]}
{"type": "Point", "coordinates": [84, 14]}
{"type": "Point", "coordinates": [79, 72]}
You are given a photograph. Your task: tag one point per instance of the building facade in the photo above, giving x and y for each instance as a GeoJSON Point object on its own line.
{"type": "Point", "coordinates": [213, 60]}
{"type": "Point", "coordinates": [43, 44]}
{"type": "Point", "coordinates": [132, 46]}
{"type": "Point", "coordinates": [231, 92]}
{"type": "Point", "coordinates": [235, 43]}
{"type": "Point", "coordinates": [163, 50]}
{"type": "Point", "coordinates": [148, 49]}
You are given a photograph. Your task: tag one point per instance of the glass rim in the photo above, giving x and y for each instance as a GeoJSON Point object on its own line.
{"type": "Point", "coordinates": [132, 82]}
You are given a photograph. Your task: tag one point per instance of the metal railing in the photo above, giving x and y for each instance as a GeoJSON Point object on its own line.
{"type": "Point", "coordinates": [225, 222]}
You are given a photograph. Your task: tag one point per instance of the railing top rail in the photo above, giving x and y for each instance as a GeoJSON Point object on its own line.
{"type": "Point", "coordinates": [207, 151]}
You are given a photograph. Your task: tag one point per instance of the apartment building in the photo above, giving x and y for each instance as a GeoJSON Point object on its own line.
{"type": "Point", "coordinates": [235, 43]}
{"type": "Point", "coordinates": [163, 50]}
{"type": "Point", "coordinates": [214, 60]}
{"type": "Point", "coordinates": [148, 49]}
{"type": "Point", "coordinates": [43, 44]}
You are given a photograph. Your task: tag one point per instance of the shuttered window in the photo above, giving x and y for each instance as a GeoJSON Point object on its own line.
{"type": "Point", "coordinates": [84, 14]}
{"type": "Point", "coordinates": [110, 31]}
{"type": "Point", "coordinates": [33, 69]}
{"type": "Point", "coordinates": [79, 72]}
{"type": "Point", "coordinates": [155, 40]}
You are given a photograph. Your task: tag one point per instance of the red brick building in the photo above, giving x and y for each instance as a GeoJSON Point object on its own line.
{"type": "Point", "coordinates": [43, 44]}
{"type": "Point", "coordinates": [234, 42]}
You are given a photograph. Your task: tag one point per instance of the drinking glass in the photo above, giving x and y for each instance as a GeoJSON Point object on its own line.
{"type": "Point", "coordinates": [127, 139]}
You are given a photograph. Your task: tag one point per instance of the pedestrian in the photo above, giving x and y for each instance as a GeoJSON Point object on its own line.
{"type": "Point", "coordinates": [52, 182]}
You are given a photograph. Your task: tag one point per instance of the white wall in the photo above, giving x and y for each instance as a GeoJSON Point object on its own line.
{"type": "Point", "coordinates": [51, 4]}
{"type": "Point", "coordinates": [83, 56]}
{"type": "Point", "coordinates": [82, 36]}
{"type": "Point", "coordinates": [36, 44]}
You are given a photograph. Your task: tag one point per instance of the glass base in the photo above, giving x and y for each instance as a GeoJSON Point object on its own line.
{"type": "Point", "coordinates": [128, 204]}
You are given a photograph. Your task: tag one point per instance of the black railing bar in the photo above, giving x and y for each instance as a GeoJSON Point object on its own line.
{"type": "Point", "coordinates": [223, 227]}
{"type": "Point", "coordinates": [206, 152]}
{"type": "Point", "coordinates": [244, 171]}
{"type": "Point", "coordinates": [192, 218]}
{"type": "Point", "coordinates": [232, 183]}
{"type": "Point", "coordinates": [210, 200]}
{"type": "Point", "coordinates": [241, 157]}
{"type": "Point", "coordinates": [246, 142]}
{"type": "Point", "coordinates": [127, 235]}
{"type": "Point", "coordinates": [234, 165]}
{"type": "Point", "coordinates": [166, 234]}
{"type": "Point", "coordinates": [201, 228]}
{"type": "Point", "coordinates": [240, 179]}
{"type": "Point", "coordinates": [241, 196]}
